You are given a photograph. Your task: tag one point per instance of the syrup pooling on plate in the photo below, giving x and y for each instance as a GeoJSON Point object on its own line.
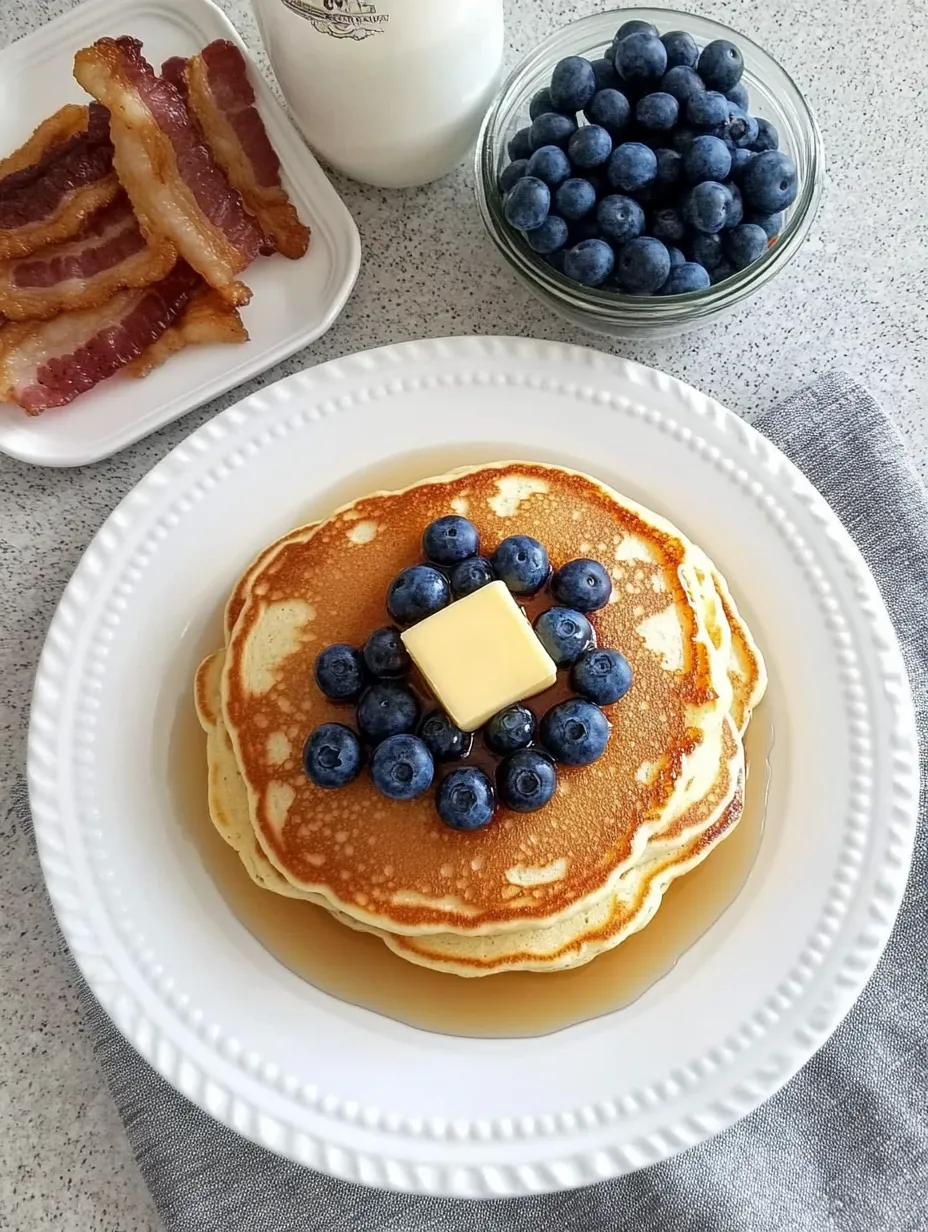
{"type": "Point", "coordinates": [543, 891]}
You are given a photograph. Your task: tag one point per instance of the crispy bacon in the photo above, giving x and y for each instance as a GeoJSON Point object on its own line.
{"type": "Point", "coordinates": [51, 185]}
{"type": "Point", "coordinates": [49, 363]}
{"type": "Point", "coordinates": [207, 318]}
{"type": "Point", "coordinates": [175, 187]}
{"type": "Point", "coordinates": [109, 254]}
{"type": "Point", "coordinates": [222, 99]}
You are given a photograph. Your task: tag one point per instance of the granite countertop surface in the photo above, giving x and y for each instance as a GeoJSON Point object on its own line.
{"type": "Point", "coordinates": [854, 298]}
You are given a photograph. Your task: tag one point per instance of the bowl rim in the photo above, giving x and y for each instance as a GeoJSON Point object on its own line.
{"type": "Point", "coordinates": [617, 307]}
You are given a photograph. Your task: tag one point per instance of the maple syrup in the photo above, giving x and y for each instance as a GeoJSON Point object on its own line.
{"type": "Point", "coordinates": [358, 968]}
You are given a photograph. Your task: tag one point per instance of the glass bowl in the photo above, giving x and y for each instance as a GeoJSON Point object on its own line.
{"type": "Point", "coordinates": [774, 95]}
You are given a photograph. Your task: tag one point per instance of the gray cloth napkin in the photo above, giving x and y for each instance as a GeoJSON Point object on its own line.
{"type": "Point", "coordinates": [844, 1146]}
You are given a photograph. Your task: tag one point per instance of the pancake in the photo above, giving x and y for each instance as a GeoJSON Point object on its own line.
{"type": "Point", "coordinates": [394, 866]}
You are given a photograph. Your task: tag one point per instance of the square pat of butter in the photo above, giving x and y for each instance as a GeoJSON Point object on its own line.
{"type": "Point", "coordinates": [479, 655]}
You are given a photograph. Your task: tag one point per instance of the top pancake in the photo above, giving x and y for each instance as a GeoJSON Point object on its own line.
{"type": "Point", "coordinates": [394, 864]}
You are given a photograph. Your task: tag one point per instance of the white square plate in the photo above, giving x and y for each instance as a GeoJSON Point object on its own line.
{"type": "Point", "coordinates": [294, 301]}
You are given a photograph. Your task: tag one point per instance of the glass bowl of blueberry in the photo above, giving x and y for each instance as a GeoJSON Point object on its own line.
{"type": "Point", "coordinates": [645, 170]}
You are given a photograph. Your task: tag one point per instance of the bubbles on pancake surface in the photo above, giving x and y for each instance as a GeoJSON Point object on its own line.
{"type": "Point", "coordinates": [332, 755]}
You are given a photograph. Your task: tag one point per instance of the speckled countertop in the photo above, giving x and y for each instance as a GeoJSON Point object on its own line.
{"type": "Point", "coordinates": [854, 298]}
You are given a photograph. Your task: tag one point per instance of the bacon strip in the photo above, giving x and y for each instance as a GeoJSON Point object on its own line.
{"type": "Point", "coordinates": [53, 183]}
{"type": "Point", "coordinates": [49, 363]}
{"type": "Point", "coordinates": [222, 99]}
{"type": "Point", "coordinates": [206, 319]}
{"type": "Point", "coordinates": [109, 254]}
{"type": "Point", "coordinates": [175, 186]}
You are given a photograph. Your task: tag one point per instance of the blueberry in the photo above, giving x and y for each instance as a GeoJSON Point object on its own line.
{"type": "Point", "coordinates": [640, 58]}
{"type": "Point", "coordinates": [723, 270]}
{"type": "Point", "coordinates": [564, 633]}
{"type": "Point", "coordinates": [657, 112]}
{"type": "Point", "coordinates": [549, 164]}
{"type": "Point", "coordinates": [667, 226]}
{"type": "Point", "coordinates": [339, 672]}
{"type": "Point", "coordinates": [556, 261]}
{"type": "Point", "coordinates": [735, 212]}
{"type": "Point", "coordinates": [681, 49]}
{"type": "Point", "coordinates": [707, 159]}
{"type": "Point", "coordinates": [511, 173]}
{"type": "Point", "coordinates": [402, 767]}
{"type": "Point", "coordinates": [669, 168]}
{"type": "Point", "coordinates": [522, 563]}
{"type": "Point", "coordinates": [551, 128]}
{"type": "Point", "coordinates": [634, 27]}
{"type": "Point", "coordinates": [582, 584]}
{"type": "Point", "coordinates": [767, 136]}
{"type": "Point", "coordinates": [549, 237]}
{"type": "Point", "coordinates": [682, 138]}
{"type": "Point", "coordinates": [590, 262]}
{"type": "Point", "coordinates": [332, 755]}
{"type": "Point", "coordinates": [720, 65]}
{"type": "Point", "coordinates": [631, 167]}
{"type": "Point", "coordinates": [527, 203]}
{"type": "Point", "coordinates": [604, 72]}
{"type": "Point", "coordinates": [575, 199]}
{"type": "Point", "coordinates": [744, 244]}
{"type": "Point", "coordinates": [386, 710]}
{"type": "Point", "coordinates": [742, 129]}
{"type": "Point", "coordinates": [526, 781]}
{"type": "Point", "coordinates": [510, 729]}
{"type": "Point", "coordinates": [772, 224]}
{"type": "Point", "coordinates": [541, 102]}
{"type": "Point", "coordinates": [465, 799]}
{"type": "Point", "coordinates": [450, 539]}
{"type": "Point", "coordinates": [471, 575]}
{"type": "Point", "coordinates": [739, 95]}
{"type": "Point", "coordinates": [769, 183]}
{"type": "Point", "coordinates": [682, 83]}
{"type": "Point", "coordinates": [590, 146]}
{"type": "Point", "coordinates": [739, 162]}
{"type": "Point", "coordinates": [619, 218]}
{"type": "Point", "coordinates": [610, 109]}
{"type": "Point", "coordinates": [385, 656]}
{"type": "Point", "coordinates": [683, 278]}
{"type": "Point", "coordinates": [676, 258]}
{"type": "Point", "coordinates": [417, 592]}
{"type": "Point", "coordinates": [573, 83]}
{"type": "Point", "coordinates": [602, 676]}
{"type": "Point", "coordinates": [708, 110]}
{"type": "Point", "coordinates": [707, 251]}
{"type": "Point", "coordinates": [575, 732]}
{"type": "Point", "coordinates": [643, 266]}
{"type": "Point", "coordinates": [444, 740]}
{"type": "Point", "coordinates": [706, 207]}
{"type": "Point", "coordinates": [519, 145]}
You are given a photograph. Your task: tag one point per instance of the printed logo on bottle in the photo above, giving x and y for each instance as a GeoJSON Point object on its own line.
{"type": "Point", "coordinates": [351, 19]}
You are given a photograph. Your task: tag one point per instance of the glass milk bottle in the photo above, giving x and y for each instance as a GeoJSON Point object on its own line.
{"type": "Point", "coordinates": [391, 92]}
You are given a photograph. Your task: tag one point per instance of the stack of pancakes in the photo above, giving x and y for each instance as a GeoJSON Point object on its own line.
{"type": "Point", "coordinates": [539, 891]}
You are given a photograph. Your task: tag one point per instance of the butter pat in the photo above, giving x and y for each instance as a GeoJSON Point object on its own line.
{"type": "Point", "coordinates": [479, 655]}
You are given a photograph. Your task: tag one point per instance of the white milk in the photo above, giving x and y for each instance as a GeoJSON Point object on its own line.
{"type": "Point", "coordinates": [391, 92]}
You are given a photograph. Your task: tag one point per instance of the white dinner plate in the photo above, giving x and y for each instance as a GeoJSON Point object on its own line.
{"type": "Point", "coordinates": [294, 302]}
{"type": "Point", "coordinates": [361, 1096]}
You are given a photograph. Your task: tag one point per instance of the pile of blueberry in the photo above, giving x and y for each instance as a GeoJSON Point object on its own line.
{"type": "Point", "coordinates": [670, 185]}
{"type": "Point", "coordinates": [403, 745]}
